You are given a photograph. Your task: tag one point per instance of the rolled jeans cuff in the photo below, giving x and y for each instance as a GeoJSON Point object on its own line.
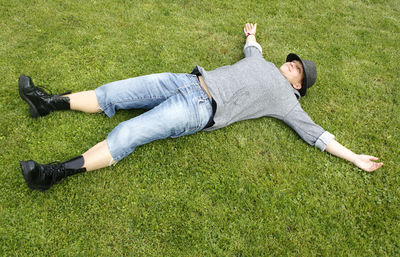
{"type": "Point", "coordinates": [100, 98]}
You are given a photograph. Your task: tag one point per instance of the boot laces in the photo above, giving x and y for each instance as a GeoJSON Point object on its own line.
{"type": "Point", "coordinates": [55, 170]}
{"type": "Point", "coordinates": [44, 91]}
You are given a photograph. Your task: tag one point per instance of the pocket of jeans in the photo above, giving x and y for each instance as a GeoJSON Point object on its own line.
{"type": "Point", "coordinates": [178, 133]}
{"type": "Point", "coordinates": [200, 107]}
{"type": "Point", "coordinates": [195, 123]}
{"type": "Point", "coordinates": [203, 112]}
{"type": "Point", "coordinates": [183, 127]}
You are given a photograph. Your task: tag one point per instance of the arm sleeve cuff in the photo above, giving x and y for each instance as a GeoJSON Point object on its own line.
{"type": "Point", "coordinates": [324, 140]}
{"type": "Point", "coordinates": [255, 44]}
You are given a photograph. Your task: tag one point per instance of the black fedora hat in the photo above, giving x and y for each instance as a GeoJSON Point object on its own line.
{"type": "Point", "coordinates": [310, 72]}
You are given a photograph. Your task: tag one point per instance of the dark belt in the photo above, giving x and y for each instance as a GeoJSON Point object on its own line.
{"type": "Point", "coordinates": [214, 109]}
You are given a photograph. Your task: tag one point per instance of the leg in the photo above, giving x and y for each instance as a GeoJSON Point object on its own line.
{"type": "Point", "coordinates": [85, 101]}
{"type": "Point", "coordinates": [40, 102]}
{"type": "Point", "coordinates": [139, 92]}
{"type": "Point", "coordinates": [167, 119]}
{"type": "Point", "coordinates": [184, 113]}
{"type": "Point", "coordinates": [42, 177]}
{"type": "Point", "coordinates": [144, 92]}
{"type": "Point", "coordinates": [178, 115]}
{"type": "Point", "coordinates": [157, 123]}
{"type": "Point", "coordinates": [98, 157]}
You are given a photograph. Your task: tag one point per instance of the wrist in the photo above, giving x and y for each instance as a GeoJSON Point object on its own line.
{"type": "Point", "coordinates": [354, 158]}
{"type": "Point", "coordinates": [250, 34]}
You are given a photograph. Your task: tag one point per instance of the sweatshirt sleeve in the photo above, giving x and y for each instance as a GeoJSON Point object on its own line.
{"type": "Point", "coordinates": [306, 128]}
{"type": "Point", "coordinates": [252, 49]}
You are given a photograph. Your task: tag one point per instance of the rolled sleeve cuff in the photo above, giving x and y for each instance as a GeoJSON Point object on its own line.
{"type": "Point", "coordinates": [255, 44]}
{"type": "Point", "coordinates": [324, 140]}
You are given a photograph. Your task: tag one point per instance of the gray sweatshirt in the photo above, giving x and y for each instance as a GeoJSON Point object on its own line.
{"type": "Point", "coordinates": [253, 88]}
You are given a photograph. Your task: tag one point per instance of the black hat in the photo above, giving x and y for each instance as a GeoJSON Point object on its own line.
{"type": "Point", "coordinates": [310, 72]}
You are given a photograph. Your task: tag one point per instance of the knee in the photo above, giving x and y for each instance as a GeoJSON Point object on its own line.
{"type": "Point", "coordinates": [121, 143]}
{"type": "Point", "coordinates": [121, 134]}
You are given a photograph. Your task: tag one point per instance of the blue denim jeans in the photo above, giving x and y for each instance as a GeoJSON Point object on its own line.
{"type": "Point", "coordinates": [177, 105]}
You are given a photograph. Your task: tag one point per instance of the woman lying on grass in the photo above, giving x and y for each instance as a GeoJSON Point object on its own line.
{"type": "Point", "coordinates": [183, 104]}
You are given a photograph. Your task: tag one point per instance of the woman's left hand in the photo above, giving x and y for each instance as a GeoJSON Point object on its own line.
{"type": "Point", "coordinates": [250, 29]}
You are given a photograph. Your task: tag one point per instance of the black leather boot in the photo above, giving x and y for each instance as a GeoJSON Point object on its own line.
{"type": "Point", "coordinates": [40, 102]}
{"type": "Point", "coordinates": [42, 177]}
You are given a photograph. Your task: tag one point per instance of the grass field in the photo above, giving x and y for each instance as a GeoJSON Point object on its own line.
{"type": "Point", "coordinates": [251, 189]}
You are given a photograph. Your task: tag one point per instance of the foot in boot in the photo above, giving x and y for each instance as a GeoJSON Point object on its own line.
{"type": "Point", "coordinates": [42, 177]}
{"type": "Point", "coordinates": [40, 102]}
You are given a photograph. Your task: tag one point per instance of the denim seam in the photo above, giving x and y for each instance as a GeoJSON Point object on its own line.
{"type": "Point", "coordinates": [130, 100]}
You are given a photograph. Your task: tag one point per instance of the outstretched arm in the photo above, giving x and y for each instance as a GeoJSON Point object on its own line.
{"type": "Point", "coordinates": [313, 134]}
{"type": "Point", "coordinates": [364, 162]}
{"type": "Point", "coordinates": [250, 32]}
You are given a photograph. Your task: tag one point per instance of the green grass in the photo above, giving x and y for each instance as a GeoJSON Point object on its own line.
{"type": "Point", "coordinates": [251, 189]}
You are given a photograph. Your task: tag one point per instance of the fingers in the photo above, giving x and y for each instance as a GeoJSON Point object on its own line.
{"type": "Point", "coordinates": [375, 166]}
{"type": "Point", "coordinates": [369, 157]}
{"type": "Point", "coordinates": [250, 26]}
{"type": "Point", "coordinates": [368, 163]}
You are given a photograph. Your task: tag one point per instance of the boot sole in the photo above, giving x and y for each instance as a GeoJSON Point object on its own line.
{"type": "Point", "coordinates": [32, 109]}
